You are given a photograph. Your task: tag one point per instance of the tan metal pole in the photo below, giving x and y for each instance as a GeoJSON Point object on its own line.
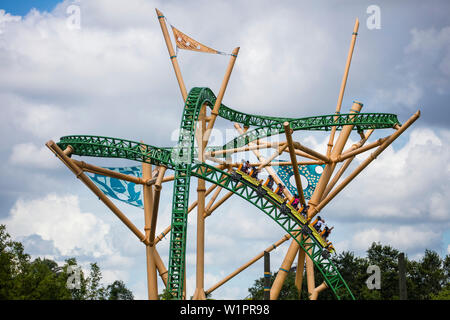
{"type": "Point", "coordinates": [215, 110]}
{"type": "Point", "coordinates": [298, 182]}
{"type": "Point", "coordinates": [199, 293]}
{"type": "Point", "coordinates": [88, 182]}
{"type": "Point", "coordinates": [152, 283]}
{"type": "Point", "coordinates": [240, 149]}
{"type": "Point", "coordinates": [329, 167]}
{"type": "Point", "coordinates": [347, 162]}
{"type": "Point", "coordinates": [316, 197]}
{"type": "Point", "coordinates": [213, 198]}
{"type": "Point", "coordinates": [273, 156]}
{"type": "Point", "coordinates": [337, 176]}
{"type": "Point", "coordinates": [284, 269]}
{"type": "Point", "coordinates": [344, 82]}
{"type": "Point", "coordinates": [300, 270]}
{"type": "Point", "coordinates": [106, 172]}
{"type": "Point", "coordinates": [172, 55]}
{"type": "Point", "coordinates": [364, 137]}
{"type": "Point", "coordinates": [317, 290]}
{"type": "Point", "coordinates": [249, 263]}
{"type": "Point", "coordinates": [310, 278]}
{"type": "Point", "coordinates": [219, 203]}
{"type": "Point", "coordinates": [365, 163]}
{"type": "Point", "coordinates": [163, 273]}
{"type": "Point", "coordinates": [281, 163]}
{"type": "Point", "coordinates": [311, 152]}
{"type": "Point", "coordinates": [355, 152]}
{"type": "Point", "coordinates": [156, 197]}
{"type": "Point", "coordinates": [191, 207]}
{"type": "Point", "coordinates": [269, 170]}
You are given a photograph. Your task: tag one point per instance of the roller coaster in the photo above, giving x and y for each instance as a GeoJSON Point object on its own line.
{"type": "Point", "coordinates": [191, 157]}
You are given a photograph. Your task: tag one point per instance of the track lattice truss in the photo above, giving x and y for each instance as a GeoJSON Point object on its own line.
{"type": "Point", "coordinates": [182, 159]}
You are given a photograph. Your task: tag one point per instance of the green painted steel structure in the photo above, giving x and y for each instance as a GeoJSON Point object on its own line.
{"type": "Point", "coordinates": [181, 159]}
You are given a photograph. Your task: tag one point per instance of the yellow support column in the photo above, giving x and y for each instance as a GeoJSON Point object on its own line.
{"type": "Point", "coordinates": [300, 271]}
{"type": "Point", "coordinates": [329, 167]}
{"type": "Point", "coordinates": [284, 269]}
{"type": "Point", "coordinates": [199, 293]}
{"type": "Point", "coordinates": [152, 284]}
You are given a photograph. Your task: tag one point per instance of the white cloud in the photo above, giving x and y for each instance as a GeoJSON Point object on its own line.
{"type": "Point", "coordinates": [44, 121]}
{"type": "Point", "coordinates": [6, 18]}
{"type": "Point", "coordinates": [29, 155]}
{"type": "Point", "coordinates": [404, 238]}
{"type": "Point", "coordinates": [60, 219]}
{"type": "Point", "coordinates": [427, 56]}
{"type": "Point", "coordinates": [410, 183]}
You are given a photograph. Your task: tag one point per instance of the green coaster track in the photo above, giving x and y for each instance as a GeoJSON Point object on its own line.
{"type": "Point", "coordinates": [181, 159]}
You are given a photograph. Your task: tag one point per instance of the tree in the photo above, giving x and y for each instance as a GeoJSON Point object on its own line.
{"type": "Point", "coordinates": [24, 279]}
{"type": "Point", "coordinates": [353, 270]}
{"type": "Point", "coordinates": [444, 294]}
{"type": "Point", "coordinates": [432, 275]}
{"type": "Point", "coordinates": [428, 278]}
{"type": "Point", "coordinates": [386, 258]}
{"type": "Point", "coordinates": [288, 291]}
{"type": "Point", "coordinates": [118, 291]}
{"type": "Point", "coordinates": [166, 295]}
{"type": "Point", "coordinates": [21, 278]}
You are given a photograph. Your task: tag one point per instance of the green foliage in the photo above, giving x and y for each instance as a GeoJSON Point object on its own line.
{"type": "Point", "coordinates": [118, 291]}
{"type": "Point", "coordinates": [386, 258]}
{"type": "Point", "coordinates": [166, 295]}
{"type": "Point", "coordinates": [42, 279]}
{"type": "Point", "coordinates": [288, 292]}
{"type": "Point", "coordinates": [426, 279]}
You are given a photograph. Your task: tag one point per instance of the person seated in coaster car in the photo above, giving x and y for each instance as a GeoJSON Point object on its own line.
{"type": "Point", "coordinates": [269, 182]}
{"type": "Point", "coordinates": [254, 173]}
{"type": "Point", "coordinates": [295, 201]}
{"type": "Point", "coordinates": [330, 247]}
{"type": "Point", "coordinates": [317, 224]}
{"type": "Point", "coordinates": [279, 190]}
{"type": "Point", "coordinates": [244, 166]}
{"type": "Point", "coordinates": [304, 211]}
{"type": "Point", "coordinates": [326, 232]}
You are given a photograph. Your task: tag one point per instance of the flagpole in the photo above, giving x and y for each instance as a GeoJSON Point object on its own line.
{"type": "Point", "coordinates": [215, 110]}
{"type": "Point", "coordinates": [343, 84]}
{"type": "Point", "coordinates": [172, 54]}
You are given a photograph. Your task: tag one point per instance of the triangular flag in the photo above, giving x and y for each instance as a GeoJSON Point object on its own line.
{"type": "Point", "coordinates": [185, 42]}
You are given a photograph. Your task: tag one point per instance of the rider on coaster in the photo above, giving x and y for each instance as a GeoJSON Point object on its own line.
{"type": "Point", "coordinates": [279, 190]}
{"type": "Point", "coordinates": [326, 232]}
{"type": "Point", "coordinates": [245, 165]}
{"type": "Point", "coordinates": [254, 173]}
{"type": "Point", "coordinates": [269, 182]}
{"type": "Point", "coordinates": [295, 201]}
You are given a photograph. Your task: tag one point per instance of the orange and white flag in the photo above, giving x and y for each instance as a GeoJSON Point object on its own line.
{"type": "Point", "coordinates": [185, 42]}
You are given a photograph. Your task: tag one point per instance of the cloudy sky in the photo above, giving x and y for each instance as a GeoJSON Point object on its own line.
{"type": "Point", "coordinates": [108, 73]}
